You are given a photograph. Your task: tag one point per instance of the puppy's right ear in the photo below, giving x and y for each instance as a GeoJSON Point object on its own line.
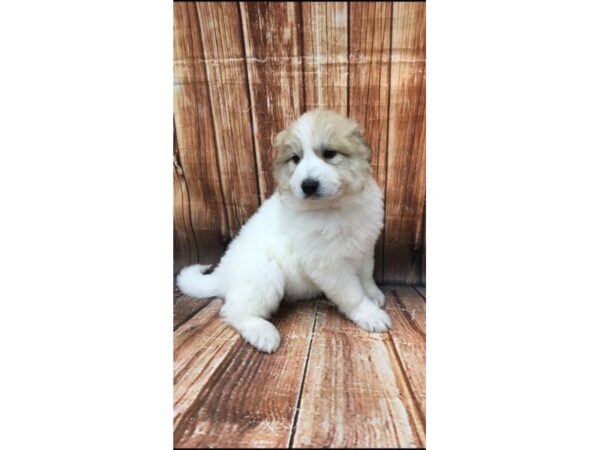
{"type": "Point", "coordinates": [279, 158]}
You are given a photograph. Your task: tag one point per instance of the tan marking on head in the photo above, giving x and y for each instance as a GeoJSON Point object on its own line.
{"type": "Point", "coordinates": [322, 129]}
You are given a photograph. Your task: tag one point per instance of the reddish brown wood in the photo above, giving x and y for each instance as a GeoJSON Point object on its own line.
{"type": "Point", "coordinates": [407, 309]}
{"type": "Point", "coordinates": [200, 345]}
{"type": "Point", "coordinates": [405, 181]}
{"type": "Point", "coordinates": [325, 45]}
{"type": "Point", "coordinates": [229, 100]}
{"type": "Point", "coordinates": [243, 71]}
{"type": "Point", "coordinates": [226, 393]}
{"type": "Point", "coordinates": [356, 393]}
{"type": "Point", "coordinates": [196, 169]}
{"type": "Point", "coordinates": [186, 307]}
{"type": "Point", "coordinates": [185, 250]}
{"type": "Point", "coordinates": [369, 77]}
{"type": "Point", "coordinates": [273, 44]}
{"type": "Point", "coordinates": [359, 389]}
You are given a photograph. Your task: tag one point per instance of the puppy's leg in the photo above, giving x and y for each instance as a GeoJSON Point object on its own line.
{"type": "Point", "coordinates": [366, 278]}
{"type": "Point", "coordinates": [343, 287]}
{"type": "Point", "coordinates": [250, 301]}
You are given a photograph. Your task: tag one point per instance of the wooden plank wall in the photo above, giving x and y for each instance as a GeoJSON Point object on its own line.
{"type": "Point", "coordinates": [243, 71]}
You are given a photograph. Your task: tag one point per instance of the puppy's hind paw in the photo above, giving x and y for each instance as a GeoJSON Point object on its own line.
{"type": "Point", "coordinates": [371, 318]}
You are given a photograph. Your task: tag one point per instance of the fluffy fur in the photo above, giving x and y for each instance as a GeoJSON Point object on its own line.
{"type": "Point", "coordinates": [301, 243]}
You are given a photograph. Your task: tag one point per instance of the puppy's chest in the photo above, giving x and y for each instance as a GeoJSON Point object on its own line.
{"type": "Point", "coordinates": [337, 234]}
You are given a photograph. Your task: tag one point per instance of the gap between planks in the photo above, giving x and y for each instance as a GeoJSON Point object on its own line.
{"type": "Point", "coordinates": [299, 401]}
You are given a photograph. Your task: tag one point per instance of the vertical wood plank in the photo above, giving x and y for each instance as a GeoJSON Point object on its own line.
{"type": "Point", "coordinates": [273, 40]}
{"type": "Point", "coordinates": [224, 59]}
{"type": "Point", "coordinates": [227, 394]}
{"type": "Point", "coordinates": [325, 44]}
{"type": "Point", "coordinates": [184, 243]}
{"type": "Point", "coordinates": [405, 189]}
{"type": "Point", "coordinates": [355, 394]}
{"type": "Point", "coordinates": [197, 192]}
{"type": "Point", "coordinates": [369, 66]}
{"type": "Point", "coordinates": [223, 165]}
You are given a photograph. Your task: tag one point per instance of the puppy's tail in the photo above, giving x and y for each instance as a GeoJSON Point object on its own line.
{"type": "Point", "coordinates": [192, 281]}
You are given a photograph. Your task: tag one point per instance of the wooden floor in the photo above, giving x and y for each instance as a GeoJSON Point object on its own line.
{"type": "Point", "coordinates": [330, 384]}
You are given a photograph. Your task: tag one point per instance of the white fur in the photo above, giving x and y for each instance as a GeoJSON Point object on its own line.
{"type": "Point", "coordinates": [299, 247]}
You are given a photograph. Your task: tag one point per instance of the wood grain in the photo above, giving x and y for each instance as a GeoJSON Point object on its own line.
{"type": "Point", "coordinates": [229, 100]}
{"type": "Point", "coordinates": [200, 346]}
{"type": "Point", "coordinates": [273, 43]}
{"type": "Point", "coordinates": [355, 393]}
{"type": "Point", "coordinates": [325, 45]}
{"type": "Point", "coordinates": [408, 337]}
{"type": "Point", "coordinates": [229, 395]}
{"type": "Point", "coordinates": [185, 250]}
{"type": "Point", "coordinates": [330, 383]}
{"type": "Point", "coordinates": [405, 182]}
{"type": "Point", "coordinates": [369, 77]}
{"type": "Point", "coordinates": [186, 307]}
{"type": "Point", "coordinates": [196, 169]}
{"type": "Point", "coordinates": [243, 71]}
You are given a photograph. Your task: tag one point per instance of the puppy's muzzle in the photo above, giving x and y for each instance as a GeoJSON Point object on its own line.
{"type": "Point", "coordinates": [310, 186]}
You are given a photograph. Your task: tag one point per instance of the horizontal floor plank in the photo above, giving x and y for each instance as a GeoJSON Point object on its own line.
{"type": "Point", "coordinates": [227, 394]}
{"type": "Point", "coordinates": [359, 389]}
{"type": "Point", "coordinates": [407, 310]}
{"type": "Point", "coordinates": [186, 307]}
{"type": "Point", "coordinates": [355, 393]}
{"type": "Point", "coordinates": [200, 346]}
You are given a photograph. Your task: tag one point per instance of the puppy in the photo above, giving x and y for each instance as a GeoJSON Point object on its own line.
{"type": "Point", "coordinates": [315, 234]}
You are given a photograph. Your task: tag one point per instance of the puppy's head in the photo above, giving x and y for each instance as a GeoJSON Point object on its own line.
{"type": "Point", "coordinates": [322, 155]}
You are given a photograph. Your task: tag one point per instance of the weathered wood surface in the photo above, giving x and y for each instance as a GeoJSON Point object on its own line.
{"type": "Point", "coordinates": [369, 86]}
{"type": "Point", "coordinates": [229, 99]}
{"type": "Point", "coordinates": [408, 337]}
{"type": "Point", "coordinates": [273, 43]}
{"type": "Point", "coordinates": [185, 249]}
{"type": "Point", "coordinates": [356, 391]}
{"type": "Point", "coordinates": [196, 169]}
{"type": "Point", "coordinates": [325, 44]}
{"type": "Point", "coordinates": [329, 385]}
{"type": "Point", "coordinates": [229, 395]}
{"type": "Point", "coordinates": [405, 187]}
{"type": "Point", "coordinates": [243, 71]}
{"type": "Point", "coordinates": [185, 307]}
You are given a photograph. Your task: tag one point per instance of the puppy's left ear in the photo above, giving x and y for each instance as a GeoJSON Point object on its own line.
{"type": "Point", "coordinates": [278, 141]}
{"type": "Point", "coordinates": [358, 137]}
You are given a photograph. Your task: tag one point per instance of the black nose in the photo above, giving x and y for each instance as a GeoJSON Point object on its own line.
{"type": "Point", "coordinates": [310, 186]}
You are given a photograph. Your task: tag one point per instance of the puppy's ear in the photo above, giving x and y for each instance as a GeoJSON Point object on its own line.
{"type": "Point", "coordinates": [278, 141]}
{"type": "Point", "coordinates": [358, 136]}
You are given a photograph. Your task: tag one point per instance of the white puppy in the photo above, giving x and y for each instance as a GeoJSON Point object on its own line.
{"type": "Point", "coordinates": [315, 234]}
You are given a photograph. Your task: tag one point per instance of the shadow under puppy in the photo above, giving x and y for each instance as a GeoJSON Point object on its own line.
{"type": "Point", "coordinates": [315, 234]}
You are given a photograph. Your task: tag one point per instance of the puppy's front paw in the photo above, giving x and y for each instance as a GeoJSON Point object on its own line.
{"type": "Point", "coordinates": [371, 318]}
{"type": "Point", "coordinates": [376, 296]}
{"type": "Point", "coordinates": [262, 335]}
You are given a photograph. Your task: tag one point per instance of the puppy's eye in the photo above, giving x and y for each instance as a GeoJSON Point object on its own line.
{"type": "Point", "coordinates": [295, 158]}
{"type": "Point", "coordinates": [329, 153]}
